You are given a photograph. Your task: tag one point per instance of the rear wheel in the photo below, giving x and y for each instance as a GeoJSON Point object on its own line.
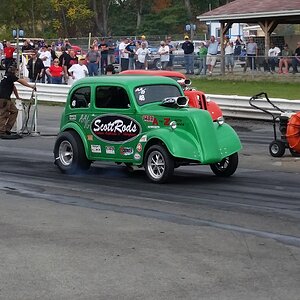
{"type": "Point", "coordinates": [159, 164]}
{"type": "Point", "coordinates": [277, 148]}
{"type": "Point", "coordinates": [69, 153]}
{"type": "Point", "coordinates": [227, 166]}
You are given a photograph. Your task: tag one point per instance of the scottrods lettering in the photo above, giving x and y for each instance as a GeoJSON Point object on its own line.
{"type": "Point", "coordinates": [115, 128]}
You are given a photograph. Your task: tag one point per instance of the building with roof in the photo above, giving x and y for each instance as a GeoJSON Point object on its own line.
{"type": "Point", "coordinates": [267, 13]}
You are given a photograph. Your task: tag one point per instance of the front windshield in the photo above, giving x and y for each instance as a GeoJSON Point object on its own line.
{"type": "Point", "coordinates": [155, 93]}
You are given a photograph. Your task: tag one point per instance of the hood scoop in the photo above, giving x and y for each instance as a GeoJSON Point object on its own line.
{"type": "Point", "coordinates": [175, 102]}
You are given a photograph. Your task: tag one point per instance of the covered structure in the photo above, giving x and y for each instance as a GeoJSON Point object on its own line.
{"type": "Point", "coordinates": [267, 13]}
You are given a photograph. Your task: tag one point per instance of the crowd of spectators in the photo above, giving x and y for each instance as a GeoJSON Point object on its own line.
{"type": "Point", "coordinates": [59, 62]}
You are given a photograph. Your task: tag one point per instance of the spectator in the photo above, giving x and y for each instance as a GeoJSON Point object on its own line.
{"type": "Point", "coordinates": [296, 59]}
{"type": "Point", "coordinates": [273, 57]}
{"type": "Point", "coordinates": [110, 70]}
{"type": "Point", "coordinates": [285, 59]}
{"type": "Point", "coordinates": [229, 59]}
{"type": "Point", "coordinates": [45, 56]}
{"type": "Point", "coordinates": [163, 51]}
{"type": "Point", "coordinates": [171, 49]}
{"type": "Point", "coordinates": [27, 47]}
{"type": "Point", "coordinates": [52, 50]}
{"type": "Point", "coordinates": [78, 71]}
{"type": "Point", "coordinates": [188, 50]}
{"type": "Point", "coordinates": [67, 44]}
{"type": "Point", "coordinates": [124, 55]}
{"type": "Point", "coordinates": [71, 59]}
{"type": "Point", "coordinates": [239, 43]}
{"type": "Point", "coordinates": [111, 51]}
{"type": "Point", "coordinates": [59, 43]}
{"type": "Point", "coordinates": [93, 58]}
{"type": "Point", "coordinates": [141, 55]}
{"type": "Point", "coordinates": [202, 53]}
{"type": "Point", "coordinates": [95, 44]}
{"type": "Point", "coordinates": [212, 52]}
{"type": "Point", "coordinates": [8, 111]}
{"type": "Point", "coordinates": [103, 48]}
{"type": "Point", "coordinates": [35, 68]}
{"type": "Point", "coordinates": [55, 72]}
{"type": "Point", "coordinates": [251, 50]}
{"type": "Point", "coordinates": [1, 48]}
{"type": "Point", "coordinates": [143, 40]}
{"type": "Point", "coordinates": [9, 55]}
{"type": "Point", "coordinates": [131, 48]}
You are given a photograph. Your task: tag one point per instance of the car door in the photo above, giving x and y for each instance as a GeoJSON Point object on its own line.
{"type": "Point", "coordinates": [113, 127]}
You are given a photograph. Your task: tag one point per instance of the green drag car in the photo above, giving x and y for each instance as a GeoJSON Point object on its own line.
{"type": "Point", "coordinates": [141, 121]}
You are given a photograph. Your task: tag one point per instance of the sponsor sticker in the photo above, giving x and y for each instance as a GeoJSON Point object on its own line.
{"type": "Point", "coordinates": [115, 128]}
{"type": "Point", "coordinates": [144, 138]}
{"type": "Point", "coordinates": [137, 156]}
{"type": "Point", "coordinates": [96, 148]}
{"type": "Point", "coordinates": [126, 151]}
{"type": "Point", "coordinates": [72, 117]}
{"type": "Point", "coordinates": [139, 147]}
{"type": "Point", "coordinates": [90, 137]}
{"type": "Point", "coordinates": [109, 149]}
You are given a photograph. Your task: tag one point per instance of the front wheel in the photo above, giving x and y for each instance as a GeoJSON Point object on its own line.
{"type": "Point", "coordinates": [69, 153]}
{"type": "Point", "coordinates": [159, 165]}
{"type": "Point", "coordinates": [277, 148]}
{"type": "Point", "coordinates": [226, 167]}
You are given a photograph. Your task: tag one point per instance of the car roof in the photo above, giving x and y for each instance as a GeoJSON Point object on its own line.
{"type": "Point", "coordinates": [153, 73]}
{"type": "Point", "coordinates": [129, 81]}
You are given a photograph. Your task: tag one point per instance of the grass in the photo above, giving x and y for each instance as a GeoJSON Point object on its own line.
{"type": "Point", "coordinates": [284, 90]}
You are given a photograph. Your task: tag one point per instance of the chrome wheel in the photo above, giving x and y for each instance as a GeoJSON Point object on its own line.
{"type": "Point", "coordinates": [66, 153]}
{"type": "Point", "coordinates": [159, 164]}
{"type": "Point", "coordinates": [156, 165]}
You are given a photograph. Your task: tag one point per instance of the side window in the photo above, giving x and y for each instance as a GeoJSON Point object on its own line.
{"type": "Point", "coordinates": [111, 97]}
{"type": "Point", "coordinates": [81, 98]}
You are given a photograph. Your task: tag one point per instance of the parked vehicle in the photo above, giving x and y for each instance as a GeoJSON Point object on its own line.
{"type": "Point", "coordinates": [197, 98]}
{"type": "Point", "coordinates": [144, 123]}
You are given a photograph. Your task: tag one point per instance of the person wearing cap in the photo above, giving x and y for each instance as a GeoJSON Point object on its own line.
{"type": "Point", "coordinates": [8, 110]}
{"type": "Point", "coordinates": [78, 71]}
{"type": "Point", "coordinates": [164, 52]}
{"type": "Point", "coordinates": [143, 40]}
{"type": "Point", "coordinates": [188, 50]}
{"type": "Point", "coordinates": [141, 55]}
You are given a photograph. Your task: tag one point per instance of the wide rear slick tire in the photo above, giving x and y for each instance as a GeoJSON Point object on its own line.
{"type": "Point", "coordinates": [159, 164]}
{"type": "Point", "coordinates": [226, 167]}
{"type": "Point", "coordinates": [69, 153]}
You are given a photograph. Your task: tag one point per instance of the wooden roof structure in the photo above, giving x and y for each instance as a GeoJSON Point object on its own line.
{"type": "Point", "coordinates": [267, 13]}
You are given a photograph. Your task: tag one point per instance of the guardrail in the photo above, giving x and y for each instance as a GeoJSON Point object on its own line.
{"type": "Point", "coordinates": [232, 106]}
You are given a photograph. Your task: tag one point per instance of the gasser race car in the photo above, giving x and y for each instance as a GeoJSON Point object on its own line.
{"type": "Point", "coordinates": [144, 122]}
{"type": "Point", "coordinates": [197, 98]}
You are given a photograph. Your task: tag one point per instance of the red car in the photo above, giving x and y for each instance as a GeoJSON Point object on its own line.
{"type": "Point", "coordinates": [197, 99]}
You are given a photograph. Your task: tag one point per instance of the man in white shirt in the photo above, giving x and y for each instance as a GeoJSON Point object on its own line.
{"type": "Point", "coordinates": [45, 56]}
{"type": "Point", "coordinates": [141, 54]}
{"type": "Point", "coordinates": [164, 52]}
{"type": "Point", "coordinates": [273, 57]}
{"type": "Point", "coordinates": [78, 71]}
{"type": "Point", "coordinates": [124, 55]}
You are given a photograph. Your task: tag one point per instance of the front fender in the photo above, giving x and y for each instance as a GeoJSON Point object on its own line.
{"type": "Point", "coordinates": [179, 142]}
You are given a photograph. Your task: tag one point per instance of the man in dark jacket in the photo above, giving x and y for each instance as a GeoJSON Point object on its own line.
{"type": "Point", "coordinates": [35, 68]}
{"type": "Point", "coordinates": [8, 110]}
{"type": "Point", "coordinates": [188, 49]}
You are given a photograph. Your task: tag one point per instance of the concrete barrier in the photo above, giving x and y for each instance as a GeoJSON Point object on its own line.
{"type": "Point", "coordinates": [231, 105]}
